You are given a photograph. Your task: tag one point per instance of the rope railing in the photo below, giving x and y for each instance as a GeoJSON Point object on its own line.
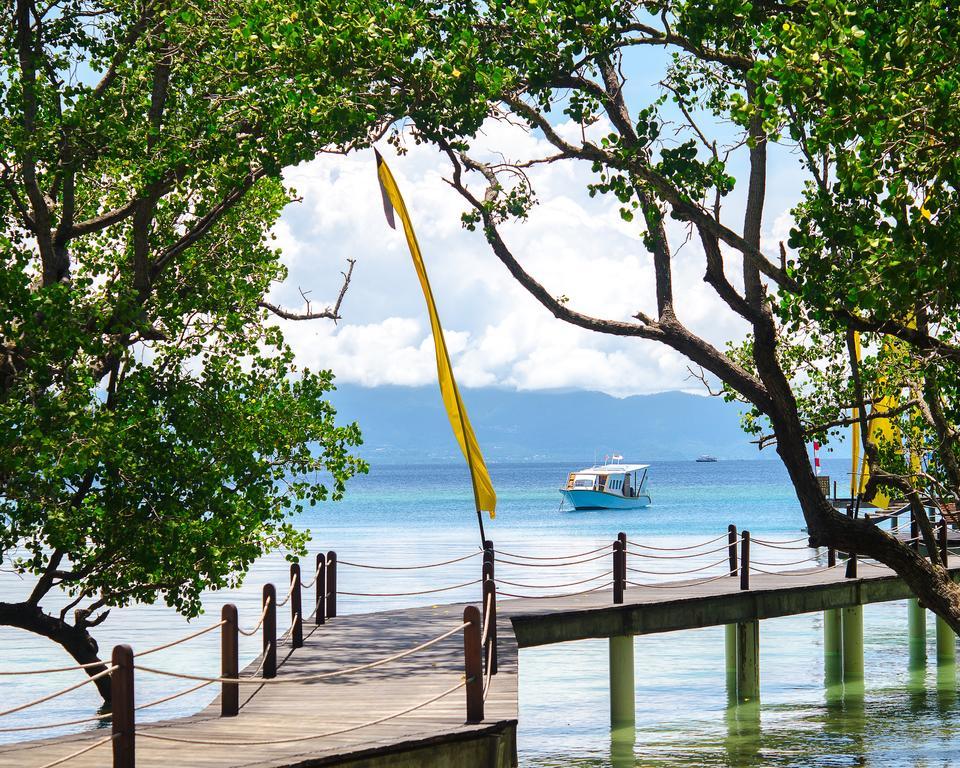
{"type": "Point", "coordinates": [61, 724]}
{"type": "Point", "coordinates": [553, 565]}
{"type": "Point", "coordinates": [309, 737]}
{"type": "Point", "coordinates": [52, 670]}
{"type": "Point", "coordinates": [724, 548]}
{"type": "Point", "coordinates": [83, 751]}
{"type": "Point", "coordinates": [679, 549]}
{"type": "Point", "coordinates": [690, 583]}
{"type": "Point", "coordinates": [316, 575]}
{"type": "Point", "coordinates": [554, 597]}
{"type": "Point", "coordinates": [309, 678]}
{"type": "Point", "coordinates": [56, 694]}
{"type": "Point", "coordinates": [252, 631]}
{"type": "Point", "coordinates": [371, 566]}
{"type": "Point", "coordinates": [183, 639]}
{"type": "Point", "coordinates": [293, 585]}
{"type": "Point", "coordinates": [412, 594]}
{"type": "Point", "coordinates": [604, 548]}
{"type": "Point", "coordinates": [679, 573]}
{"type": "Point", "coordinates": [528, 585]}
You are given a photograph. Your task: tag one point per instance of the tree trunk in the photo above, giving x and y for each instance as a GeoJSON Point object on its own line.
{"type": "Point", "coordinates": [76, 641]}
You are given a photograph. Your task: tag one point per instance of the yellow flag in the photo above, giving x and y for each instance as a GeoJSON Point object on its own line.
{"type": "Point", "coordinates": [484, 495]}
{"type": "Point", "coordinates": [877, 427]}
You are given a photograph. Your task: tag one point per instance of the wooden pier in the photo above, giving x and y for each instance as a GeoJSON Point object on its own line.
{"type": "Point", "coordinates": [410, 708]}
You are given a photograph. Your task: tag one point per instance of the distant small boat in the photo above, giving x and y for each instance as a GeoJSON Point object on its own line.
{"type": "Point", "coordinates": [608, 486]}
{"type": "Point", "coordinates": [706, 458]}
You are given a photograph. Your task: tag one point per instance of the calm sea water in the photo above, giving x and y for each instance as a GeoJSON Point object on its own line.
{"type": "Point", "coordinates": [409, 514]}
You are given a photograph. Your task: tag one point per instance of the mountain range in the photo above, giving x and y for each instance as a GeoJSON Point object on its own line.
{"type": "Point", "coordinates": [409, 424]}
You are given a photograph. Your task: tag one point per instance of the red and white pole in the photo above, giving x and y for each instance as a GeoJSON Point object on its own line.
{"type": "Point", "coordinates": [816, 458]}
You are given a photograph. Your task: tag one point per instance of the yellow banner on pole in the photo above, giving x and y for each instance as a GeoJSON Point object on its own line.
{"type": "Point", "coordinates": [483, 493]}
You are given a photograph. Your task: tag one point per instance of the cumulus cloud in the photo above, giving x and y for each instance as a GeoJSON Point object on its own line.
{"type": "Point", "coordinates": [498, 335]}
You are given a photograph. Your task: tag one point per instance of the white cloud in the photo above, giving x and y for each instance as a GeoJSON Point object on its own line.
{"type": "Point", "coordinates": [496, 332]}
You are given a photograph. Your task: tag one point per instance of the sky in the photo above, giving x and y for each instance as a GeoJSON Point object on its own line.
{"type": "Point", "coordinates": [497, 334]}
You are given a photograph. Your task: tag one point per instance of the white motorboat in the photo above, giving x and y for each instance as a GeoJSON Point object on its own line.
{"type": "Point", "coordinates": [608, 486]}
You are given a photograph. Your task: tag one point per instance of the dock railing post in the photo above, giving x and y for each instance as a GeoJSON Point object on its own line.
{"type": "Point", "coordinates": [320, 614]}
{"type": "Point", "coordinates": [617, 575]}
{"type": "Point", "coordinates": [622, 536]}
{"type": "Point", "coordinates": [490, 617]}
{"type": "Point", "coordinates": [914, 532]}
{"type": "Point", "coordinates": [121, 699]}
{"type": "Point", "coordinates": [229, 661]}
{"type": "Point", "coordinates": [331, 584]}
{"type": "Point", "coordinates": [489, 557]}
{"type": "Point", "coordinates": [473, 663]}
{"type": "Point", "coordinates": [296, 606]}
{"type": "Point", "coordinates": [745, 560]}
{"type": "Point", "coordinates": [851, 572]}
{"type": "Point", "coordinates": [831, 557]}
{"type": "Point", "coordinates": [732, 548]}
{"type": "Point", "coordinates": [269, 631]}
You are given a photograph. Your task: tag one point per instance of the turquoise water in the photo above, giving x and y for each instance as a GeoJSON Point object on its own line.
{"type": "Point", "coordinates": [409, 514]}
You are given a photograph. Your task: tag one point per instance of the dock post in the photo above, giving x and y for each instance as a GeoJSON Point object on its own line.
{"type": "Point", "coordinates": [730, 656]}
{"type": "Point", "coordinates": [296, 607]}
{"type": "Point", "coordinates": [916, 633]}
{"type": "Point", "coordinates": [745, 560]}
{"type": "Point", "coordinates": [489, 556]}
{"type": "Point", "coordinates": [320, 612]}
{"type": "Point", "coordinates": [490, 607]}
{"type": "Point", "coordinates": [832, 638]}
{"type": "Point", "coordinates": [622, 690]}
{"type": "Point", "coordinates": [942, 540]}
{"type": "Point", "coordinates": [732, 548]}
{"type": "Point", "coordinates": [331, 584]}
{"type": "Point", "coordinates": [473, 663]}
{"type": "Point", "coordinates": [623, 559]}
{"type": "Point", "coordinates": [831, 557]}
{"type": "Point", "coordinates": [748, 661]}
{"type": "Point", "coordinates": [269, 631]}
{"type": "Point", "coordinates": [851, 572]}
{"type": "Point", "coordinates": [946, 643]}
{"type": "Point", "coordinates": [852, 632]}
{"type": "Point", "coordinates": [121, 699]}
{"type": "Point", "coordinates": [229, 661]}
{"type": "Point", "coordinates": [914, 532]}
{"type": "Point", "coordinates": [617, 575]}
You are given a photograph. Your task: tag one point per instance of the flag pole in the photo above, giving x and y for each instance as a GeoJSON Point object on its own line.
{"type": "Point", "coordinates": [473, 480]}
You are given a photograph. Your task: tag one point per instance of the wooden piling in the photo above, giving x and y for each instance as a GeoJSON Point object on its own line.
{"type": "Point", "coordinates": [473, 663]}
{"type": "Point", "coordinates": [320, 612]}
{"type": "Point", "coordinates": [946, 643]}
{"type": "Point", "coordinates": [296, 607]}
{"type": "Point", "coordinates": [489, 556]}
{"type": "Point", "coordinates": [832, 643]}
{"type": "Point", "coordinates": [851, 572]}
{"type": "Point", "coordinates": [852, 643]}
{"type": "Point", "coordinates": [123, 713]}
{"type": "Point", "coordinates": [732, 548]}
{"type": "Point", "coordinates": [331, 585]}
{"type": "Point", "coordinates": [916, 633]}
{"type": "Point", "coordinates": [730, 657]}
{"type": "Point", "coordinates": [269, 631]}
{"type": "Point", "coordinates": [229, 661]}
{"type": "Point", "coordinates": [831, 557]}
{"type": "Point", "coordinates": [622, 688]}
{"type": "Point", "coordinates": [745, 560]}
{"type": "Point", "coordinates": [748, 661]}
{"type": "Point", "coordinates": [617, 575]}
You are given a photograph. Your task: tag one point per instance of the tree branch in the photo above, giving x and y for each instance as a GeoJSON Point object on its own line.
{"type": "Point", "coordinates": [330, 313]}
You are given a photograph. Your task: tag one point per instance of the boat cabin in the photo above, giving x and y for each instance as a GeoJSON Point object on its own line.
{"type": "Point", "coordinates": [626, 480]}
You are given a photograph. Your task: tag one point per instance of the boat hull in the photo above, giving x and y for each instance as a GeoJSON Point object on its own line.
{"type": "Point", "coordinates": [588, 499]}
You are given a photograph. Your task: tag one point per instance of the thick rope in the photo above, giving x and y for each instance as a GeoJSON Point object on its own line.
{"type": "Point", "coordinates": [181, 640]}
{"type": "Point", "coordinates": [605, 547]}
{"type": "Point", "coordinates": [554, 586]}
{"type": "Point", "coordinates": [677, 557]}
{"type": "Point", "coordinates": [408, 567]}
{"type": "Point", "coordinates": [61, 692]}
{"type": "Point", "coordinates": [81, 751]}
{"type": "Point", "coordinates": [51, 670]}
{"type": "Point", "coordinates": [802, 572]}
{"type": "Point", "coordinates": [787, 541]}
{"type": "Point", "coordinates": [410, 594]}
{"type": "Point", "coordinates": [267, 742]}
{"type": "Point", "coordinates": [61, 724]}
{"type": "Point", "coordinates": [553, 597]}
{"type": "Point", "coordinates": [311, 678]}
{"type": "Point", "coordinates": [677, 549]}
{"type": "Point", "coordinates": [263, 615]}
{"type": "Point", "coordinates": [682, 573]}
{"type": "Point", "coordinates": [489, 676]}
{"type": "Point", "coordinates": [484, 634]}
{"type": "Point", "coordinates": [553, 565]}
{"type": "Point", "coordinates": [172, 696]}
{"type": "Point", "coordinates": [695, 583]}
{"type": "Point", "coordinates": [313, 581]}
{"type": "Point", "coordinates": [293, 585]}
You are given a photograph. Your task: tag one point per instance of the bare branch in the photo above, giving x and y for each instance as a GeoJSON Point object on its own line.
{"type": "Point", "coordinates": [330, 313]}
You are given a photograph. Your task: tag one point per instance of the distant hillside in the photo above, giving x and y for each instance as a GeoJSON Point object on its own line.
{"type": "Point", "coordinates": [408, 424]}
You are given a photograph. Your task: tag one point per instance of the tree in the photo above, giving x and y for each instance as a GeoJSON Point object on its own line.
{"type": "Point", "coordinates": [153, 442]}
{"type": "Point", "coordinates": [863, 99]}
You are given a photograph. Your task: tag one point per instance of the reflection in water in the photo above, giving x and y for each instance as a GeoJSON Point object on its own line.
{"type": "Point", "coordinates": [622, 740]}
{"type": "Point", "coordinates": [742, 744]}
